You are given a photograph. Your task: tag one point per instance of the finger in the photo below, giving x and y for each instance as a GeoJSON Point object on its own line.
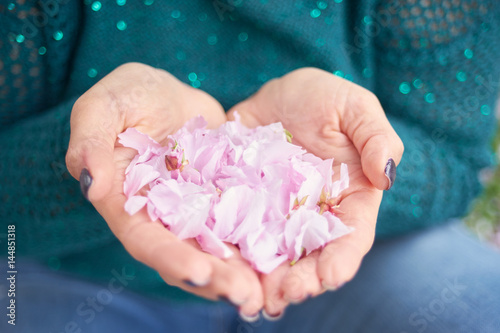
{"type": "Point", "coordinates": [365, 123]}
{"type": "Point", "coordinates": [91, 144]}
{"type": "Point", "coordinates": [104, 111]}
{"type": "Point", "coordinates": [232, 281]}
{"type": "Point", "coordinates": [180, 263]}
{"type": "Point", "coordinates": [246, 113]}
{"type": "Point", "coordinates": [301, 280]}
{"type": "Point", "coordinates": [247, 292]}
{"type": "Point", "coordinates": [274, 303]}
{"type": "Point", "coordinates": [255, 297]}
{"type": "Point", "coordinates": [341, 258]}
{"type": "Point", "coordinates": [147, 241]}
{"type": "Point", "coordinates": [154, 245]}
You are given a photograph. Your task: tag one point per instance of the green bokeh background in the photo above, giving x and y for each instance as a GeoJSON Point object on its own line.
{"type": "Point", "coordinates": [484, 216]}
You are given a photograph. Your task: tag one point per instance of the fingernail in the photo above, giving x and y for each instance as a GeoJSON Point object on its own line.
{"type": "Point", "coordinates": [390, 172]}
{"type": "Point", "coordinates": [327, 286]}
{"type": "Point", "coordinates": [190, 283]}
{"type": "Point", "coordinates": [330, 287]}
{"type": "Point", "coordinates": [85, 182]}
{"type": "Point", "coordinates": [274, 317]}
{"type": "Point", "coordinates": [250, 319]}
{"type": "Point", "coordinates": [296, 300]}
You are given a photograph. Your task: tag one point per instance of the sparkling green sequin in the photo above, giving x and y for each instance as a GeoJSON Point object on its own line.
{"type": "Point", "coordinates": [176, 14]}
{"type": "Point", "coordinates": [417, 211]}
{"type": "Point", "coordinates": [243, 37]}
{"type": "Point", "coordinates": [485, 110]}
{"type": "Point", "coordinates": [367, 20]}
{"type": "Point", "coordinates": [96, 6]}
{"type": "Point", "coordinates": [212, 39]}
{"type": "Point", "coordinates": [121, 2]}
{"type": "Point", "coordinates": [321, 5]}
{"type": "Point", "coordinates": [180, 55]}
{"type": "Point", "coordinates": [11, 6]}
{"type": "Point", "coordinates": [338, 1]}
{"type": "Point", "coordinates": [315, 13]}
{"type": "Point", "coordinates": [468, 53]}
{"type": "Point", "coordinates": [461, 76]}
{"type": "Point", "coordinates": [58, 35]}
{"type": "Point", "coordinates": [339, 73]}
{"type": "Point", "coordinates": [148, 2]}
{"type": "Point", "coordinates": [192, 77]}
{"type": "Point", "coordinates": [92, 72]}
{"type": "Point", "coordinates": [429, 98]}
{"type": "Point", "coordinates": [417, 83]}
{"type": "Point", "coordinates": [121, 25]}
{"type": "Point", "coordinates": [196, 84]}
{"type": "Point", "coordinates": [20, 38]}
{"type": "Point", "coordinates": [404, 88]}
{"type": "Point", "coordinates": [320, 42]}
{"type": "Point", "coordinates": [367, 73]}
{"type": "Point", "coordinates": [42, 50]}
{"type": "Point", "coordinates": [415, 199]}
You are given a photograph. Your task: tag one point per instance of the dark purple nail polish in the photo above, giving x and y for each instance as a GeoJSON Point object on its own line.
{"type": "Point", "coordinates": [390, 172]}
{"type": "Point", "coordinates": [189, 283]}
{"type": "Point", "coordinates": [85, 182]}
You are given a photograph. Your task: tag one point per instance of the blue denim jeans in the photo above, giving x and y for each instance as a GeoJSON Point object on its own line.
{"type": "Point", "coordinates": [438, 280]}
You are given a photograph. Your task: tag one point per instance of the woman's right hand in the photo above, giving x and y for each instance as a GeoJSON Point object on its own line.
{"type": "Point", "coordinates": [156, 103]}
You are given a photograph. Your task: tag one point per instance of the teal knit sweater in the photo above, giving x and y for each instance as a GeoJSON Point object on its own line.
{"type": "Point", "coordinates": [434, 67]}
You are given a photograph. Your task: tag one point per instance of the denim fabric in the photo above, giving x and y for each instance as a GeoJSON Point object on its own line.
{"type": "Point", "coordinates": [439, 280]}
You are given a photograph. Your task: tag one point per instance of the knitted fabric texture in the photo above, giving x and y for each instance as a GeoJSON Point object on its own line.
{"type": "Point", "coordinates": [433, 65]}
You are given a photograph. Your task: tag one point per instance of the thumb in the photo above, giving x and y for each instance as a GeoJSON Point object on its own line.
{"type": "Point", "coordinates": [245, 111]}
{"type": "Point", "coordinates": [90, 152]}
{"type": "Point", "coordinates": [251, 109]}
{"type": "Point", "coordinates": [377, 142]}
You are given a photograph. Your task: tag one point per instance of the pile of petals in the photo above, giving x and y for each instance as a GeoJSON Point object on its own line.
{"type": "Point", "coordinates": [249, 187]}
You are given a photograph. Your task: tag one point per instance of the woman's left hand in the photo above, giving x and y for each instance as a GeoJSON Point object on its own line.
{"type": "Point", "coordinates": [330, 117]}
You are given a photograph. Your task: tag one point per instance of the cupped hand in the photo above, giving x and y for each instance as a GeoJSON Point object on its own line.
{"type": "Point", "coordinates": [330, 117]}
{"type": "Point", "coordinates": [154, 102]}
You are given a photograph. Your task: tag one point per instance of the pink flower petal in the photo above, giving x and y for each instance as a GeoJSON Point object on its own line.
{"type": "Point", "coordinates": [249, 187]}
{"type": "Point", "coordinates": [135, 203]}
{"type": "Point", "coordinates": [210, 243]}
{"type": "Point", "coordinates": [138, 177]}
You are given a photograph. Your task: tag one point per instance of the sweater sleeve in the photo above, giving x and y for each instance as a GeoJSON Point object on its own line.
{"type": "Point", "coordinates": [37, 194]}
{"type": "Point", "coordinates": [438, 84]}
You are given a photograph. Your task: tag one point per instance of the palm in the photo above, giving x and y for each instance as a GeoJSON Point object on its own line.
{"type": "Point", "coordinates": [317, 109]}
{"type": "Point", "coordinates": [157, 104]}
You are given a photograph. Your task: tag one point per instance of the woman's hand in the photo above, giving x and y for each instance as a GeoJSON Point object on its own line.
{"type": "Point", "coordinates": [154, 102]}
{"type": "Point", "coordinates": [330, 117]}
